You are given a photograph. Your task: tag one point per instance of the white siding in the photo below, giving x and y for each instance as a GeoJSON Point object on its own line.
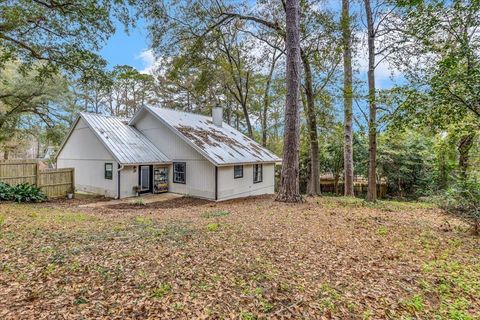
{"type": "Point", "coordinates": [128, 179]}
{"type": "Point", "coordinates": [229, 188]}
{"type": "Point", "coordinates": [200, 176]}
{"type": "Point", "coordinates": [84, 152]}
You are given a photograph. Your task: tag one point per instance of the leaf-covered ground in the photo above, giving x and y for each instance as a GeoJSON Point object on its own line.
{"type": "Point", "coordinates": [244, 259]}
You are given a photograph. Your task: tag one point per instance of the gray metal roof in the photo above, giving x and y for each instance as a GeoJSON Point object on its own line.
{"type": "Point", "coordinates": [126, 144]}
{"type": "Point", "coordinates": [221, 145]}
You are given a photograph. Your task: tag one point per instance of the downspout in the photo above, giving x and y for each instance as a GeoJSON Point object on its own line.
{"type": "Point", "coordinates": [120, 168]}
{"type": "Point", "coordinates": [216, 183]}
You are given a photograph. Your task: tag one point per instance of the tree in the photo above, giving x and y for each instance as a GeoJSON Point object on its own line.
{"type": "Point", "coordinates": [439, 56]}
{"type": "Point", "coordinates": [266, 99]}
{"type": "Point", "coordinates": [372, 118]}
{"type": "Point", "coordinates": [289, 185]}
{"type": "Point", "coordinates": [347, 98]}
{"type": "Point", "coordinates": [318, 49]}
{"type": "Point", "coordinates": [62, 34]}
{"type": "Point", "coordinates": [24, 94]}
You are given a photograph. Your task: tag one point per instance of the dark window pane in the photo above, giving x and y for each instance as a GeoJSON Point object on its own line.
{"type": "Point", "coordinates": [179, 172]}
{"type": "Point", "coordinates": [238, 171]}
{"type": "Point", "coordinates": [257, 173]}
{"type": "Point", "coordinates": [109, 171]}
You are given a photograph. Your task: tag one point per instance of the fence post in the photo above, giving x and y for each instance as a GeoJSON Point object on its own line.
{"type": "Point", "coordinates": [37, 174]}
{"type": "Point", "coordinates": [73, 181]}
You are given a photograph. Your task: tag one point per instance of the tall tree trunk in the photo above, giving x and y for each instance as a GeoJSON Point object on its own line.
{"type": "Point", "coordinates": [314, 183]}
{"type": "Point", "coordinates": [266, 99]}
{"type": "Point", "coordinates": [466, 143]}
{"type": "Point", "coordinates": [289, 184]}
{"type": "Point", "coordinates": [372, 121]}
{"type": "Point", "coordinates": [347, 99]}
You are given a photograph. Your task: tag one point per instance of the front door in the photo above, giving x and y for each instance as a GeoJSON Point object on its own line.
{"type": "Point", "coordinates": [145, 179]}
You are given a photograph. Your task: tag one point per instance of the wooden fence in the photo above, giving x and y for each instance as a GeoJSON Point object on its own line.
{"type": "Point", "coordinates": [359, 188]}
{"type": "Point", "coordinates": [53, 182]}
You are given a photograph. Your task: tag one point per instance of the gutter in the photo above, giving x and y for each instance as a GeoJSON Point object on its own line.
{"type": "Point", "coordinates": [216, 183]}
{"type": "Point", "coordinates": [120, 168]}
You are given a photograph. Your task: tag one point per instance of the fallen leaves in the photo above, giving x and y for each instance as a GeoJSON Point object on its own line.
{"type": "Point", "coordinates": [242, 259]}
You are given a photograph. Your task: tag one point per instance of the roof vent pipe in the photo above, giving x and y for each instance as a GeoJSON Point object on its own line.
{"type": "Point", "coordinates": [217, 115]}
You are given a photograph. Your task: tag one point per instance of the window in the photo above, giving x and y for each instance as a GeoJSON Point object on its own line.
{"type": "Point", "coordinates": [237, 172]}
{"type": "Point", "coordinates": [179, 172]}
{"type": "Point", "coordinates": [109, 171]}
{"type": "Point", "coordinates": [257, 173]}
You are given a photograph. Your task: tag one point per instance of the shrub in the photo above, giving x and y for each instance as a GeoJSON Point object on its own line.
{"type": "Point", "coordinates": [139, 202]}
{"type": "Point", "coordinates": [464, 198]}
{"type": "Point", "coordinates": [24, 192]}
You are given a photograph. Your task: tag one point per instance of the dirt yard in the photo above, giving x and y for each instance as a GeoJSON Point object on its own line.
{"type": "Point", "coordinates": [328, 258]}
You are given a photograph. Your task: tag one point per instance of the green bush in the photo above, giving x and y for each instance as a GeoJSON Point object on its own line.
{"type": "Point", "coordinates": [24, 192]}
{"type": "Point", "coordinates": [464, 198]}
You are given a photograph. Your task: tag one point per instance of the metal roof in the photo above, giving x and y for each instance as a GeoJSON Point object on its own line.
{"type": "Point", "coordinates": [126, 144]}
{"type": "Point", "coordinates": [221, 145]}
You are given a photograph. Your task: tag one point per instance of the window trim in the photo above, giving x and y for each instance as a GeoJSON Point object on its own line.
{"type": "Point", "coordinates": [105, 171]}
{"type": "Point", "coordinates": [260, 166]}
{"type": "Point", "coordinates": [184, 173]}
{"type": "Point", "coordinates": [240, 176]}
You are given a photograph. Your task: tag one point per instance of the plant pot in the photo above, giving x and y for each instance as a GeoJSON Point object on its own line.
{"type": "Point", "coordinates": [69, 196]}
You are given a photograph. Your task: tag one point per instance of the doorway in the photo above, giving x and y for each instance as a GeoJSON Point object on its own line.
{"type": "Point", "coordinates": [145, 180]}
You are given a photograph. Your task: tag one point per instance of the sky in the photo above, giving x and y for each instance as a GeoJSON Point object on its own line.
{"type": "Point", "coordinates": [133, 49]}
{"type": "Point", "coordinates": [130, 49]}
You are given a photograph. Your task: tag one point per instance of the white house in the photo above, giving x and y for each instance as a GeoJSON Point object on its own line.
{"type": "Point", "coordinates": [164, 150]}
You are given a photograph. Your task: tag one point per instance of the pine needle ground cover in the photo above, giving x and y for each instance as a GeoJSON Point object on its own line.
{"type": "Point", "coordinates": [244, 259]}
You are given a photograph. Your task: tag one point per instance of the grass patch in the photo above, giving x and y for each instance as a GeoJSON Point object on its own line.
{"type": "Point", "coordinates": [414, 304]}
{"type": "Point", "coordinates": [216, 214]}
{"type": "Point", "coordinates": [384, 205]}
{"type": "Point", "coordinates": [382, 231]}
{"type": "Point", "coordinates": [161, 291]}
{"type": "Point", "coordinates": [213, 227]}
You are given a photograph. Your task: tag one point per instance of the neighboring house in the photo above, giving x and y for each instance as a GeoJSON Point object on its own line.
{"type": "Point", "coordinates": [161, 150]}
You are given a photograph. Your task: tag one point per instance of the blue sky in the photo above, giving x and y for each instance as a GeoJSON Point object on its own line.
{"type": "Point", "coordinates": [132, 49]}
{"type": "Point", "coordinates": [123, 48]}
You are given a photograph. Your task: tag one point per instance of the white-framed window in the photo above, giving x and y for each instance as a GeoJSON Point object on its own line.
{"type": "Point", "coordinates": [179, 172]}
{"type": "Point", "coordinates": [109, 171]}
{"type": "Point", "coordinates": [257, 173]}
{"type": "Point", "coordinates": [237, 171]}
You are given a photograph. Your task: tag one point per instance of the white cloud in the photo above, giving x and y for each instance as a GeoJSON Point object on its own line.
{"type": "Point", "coordinates": [385, 74]}
{"type": "Point", "coordinates": [149, 62]}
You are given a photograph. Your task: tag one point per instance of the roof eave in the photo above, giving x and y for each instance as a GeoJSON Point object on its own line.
{"type": "Point", "coordinates": [145, 163]}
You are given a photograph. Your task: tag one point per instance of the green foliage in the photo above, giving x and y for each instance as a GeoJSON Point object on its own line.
{"type": "Point", "coordinates": [65, 35]}
{"type": "Point", "coordinates": [463, 198]}
{"type": "Point", "coordinates": [405, 160]}
{"type": "Point", "coordinates": [414, 304]}
{"type": "Point", "coordinates": [161, 291]}
{"type": "Point", "coordinates": [24, 192]}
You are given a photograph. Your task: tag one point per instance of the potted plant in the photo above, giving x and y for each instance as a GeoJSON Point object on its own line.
{"type": "Point", "coordinates": [136, 189]}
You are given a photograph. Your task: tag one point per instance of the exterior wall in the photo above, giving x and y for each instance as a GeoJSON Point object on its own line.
{"type": "Point", "coordinates": [128, 179]}
{"type": "Point", "coordinates": [200, 175]}
{"type": "Point", "coordinates": [229, 188]}
{"type": "Point", "coordinates": [84, 152]}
